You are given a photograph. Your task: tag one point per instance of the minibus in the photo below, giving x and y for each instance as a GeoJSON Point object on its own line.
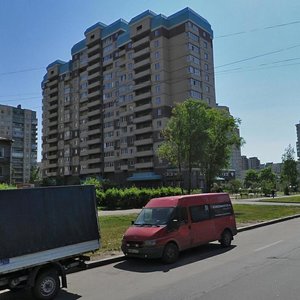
{"type": "Point", "coordinates": [168, 225]}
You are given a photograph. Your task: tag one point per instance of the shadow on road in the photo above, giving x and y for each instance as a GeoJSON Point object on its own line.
{"type": "Point", "coordinates": [186, 257]}
{"type": "Point", "coordinates": [26, 295]}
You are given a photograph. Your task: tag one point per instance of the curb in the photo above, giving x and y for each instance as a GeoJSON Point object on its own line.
{"type": "Point", "coordinates": [117, 258]}
{"type": "Point", "coordinates": [257, 225]}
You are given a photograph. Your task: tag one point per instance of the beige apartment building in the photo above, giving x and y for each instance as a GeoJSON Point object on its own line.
{"type": "Point", "coordinates": [103, 111]}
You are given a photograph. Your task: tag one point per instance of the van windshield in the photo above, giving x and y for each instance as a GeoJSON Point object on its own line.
{"type": "Point", "coordinates": [154, 216]}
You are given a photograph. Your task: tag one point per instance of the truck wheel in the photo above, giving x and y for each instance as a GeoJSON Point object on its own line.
{"type": "Point", "coordinates": [226, 238]}
{"type": "Point", "coordinates": [170, 254]}
{"type": "Point", "coordinates": [47, 285]}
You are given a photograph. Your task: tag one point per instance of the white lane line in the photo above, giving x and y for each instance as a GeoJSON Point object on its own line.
{"type": "Point", "coordinates": [267, 246]}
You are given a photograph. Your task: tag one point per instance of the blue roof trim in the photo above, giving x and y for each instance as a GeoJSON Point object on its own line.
{"type": "Point", "coordinates": [67, 67]}
{"type": "Point", "coordinates": [147, 13]}
{"type": "Point", "coordinates": [158, 21]}
{"type": "Point", "coordinates": [123, 39]}
{"type": "Point", "coordinates": [188, 14]}
{"type": "Point", "coordinates": [97, 25]}
{"type": "Point", "coordinates": [78, 47]}
{"type": "Point", "coordinates": [57, 62]}
{"type": "Point", "coordinates": [144, 176]}
{"type": "Point", "coordinates": [115, 26]}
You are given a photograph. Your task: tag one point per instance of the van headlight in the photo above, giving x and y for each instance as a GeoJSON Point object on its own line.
{"type": "Point", "coordinates": [150, 243]}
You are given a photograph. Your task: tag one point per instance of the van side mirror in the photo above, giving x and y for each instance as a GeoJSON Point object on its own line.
{"type": "Point", "coordinates": [174, 224]}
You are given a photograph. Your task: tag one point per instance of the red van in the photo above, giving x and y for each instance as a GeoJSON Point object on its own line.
{"type": "Point", "coordinates": [169, 225]}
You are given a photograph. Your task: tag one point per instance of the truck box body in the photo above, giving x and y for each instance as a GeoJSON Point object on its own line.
{"type": "Point", "coordinates": [39, 225]}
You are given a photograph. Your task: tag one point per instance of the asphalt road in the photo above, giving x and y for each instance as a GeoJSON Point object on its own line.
{"type": "Point", "coordinates": [263, 263]}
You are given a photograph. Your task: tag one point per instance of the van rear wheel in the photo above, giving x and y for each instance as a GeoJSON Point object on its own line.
{"type": "Point", "coordinates": [226, 238]}
{"type": "Point", "coordinates": [170, 254]}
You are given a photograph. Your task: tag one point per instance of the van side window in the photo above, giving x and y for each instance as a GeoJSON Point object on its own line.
{"type": "Point", "coordinates": [199, 213]}
{"type": "Point", "coordinates": [183, 215]}
{"type": "Point", "coordinates": [221, 209]}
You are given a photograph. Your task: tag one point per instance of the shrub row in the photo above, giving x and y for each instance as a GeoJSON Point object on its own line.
{"type": "Point", "coordinates": [131, 197]}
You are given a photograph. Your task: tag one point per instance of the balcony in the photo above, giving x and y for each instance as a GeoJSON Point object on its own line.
{"type": "Point", "coordinates": [124, 167]}
{"type": "Point", "coordinates": [144, 165]}
{"type": "Point", "coordinates": [141, 41]}
{"type": "Point", "coordinates": [93, 48]}
{"type": "Point", "coordinates": [94, 84]}
{"type": "Point", "coordinates": [142, 74]}
{"type": "Point", "coordinates": [92, 67]}
{"type": "Point", "coordinates": [142, 63]}
{"type": "Point", "coordinates": [94, 141]}
{"type": "Point", "coordinates": [94, 122]}
{"type": "Point", "coordinates": [143, 107]}
{"type": "Point", "coordinates": [142, 85]}
{"type": "Point", "coordinates": [90, 171]}
{"type": "Point", "coordinates": [94, 75]}
{"type": "Point", "coordinates": [142, 119]}
{"type": "Point", "coordinates": [93, 94]}
{"type": "Point", "coordinates": [144, 153]}
{"type": "Point", "coordinates": [93, 151]}
{"type": "Point", "coordinates": [93, 160]}
{"type": "Point", "coordinates": [143, 142]}
{"type": "Point", "coordinates": [142, 96]}
{"type": "Point", "coordinates": [141, 52]}
{"type": "Point", "coordinates": [143, 130]}
{"type": "Point", "coordinates": [94, 57]}
{"type": "Point", "coordinates": [94, 112]}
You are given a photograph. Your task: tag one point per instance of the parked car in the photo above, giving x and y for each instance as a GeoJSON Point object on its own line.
{"type": "Point", "coordinates": [172, 224]}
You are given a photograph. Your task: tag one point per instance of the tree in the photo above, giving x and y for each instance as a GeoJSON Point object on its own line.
{"type": "Point", "coordinates": [267, 180]}
{"type": "Point", "coordinates": [199, 136]}
{"type": "Point", "coordinates": [35, 175]}
{"type": "Point", "coordinates": [185, 136]}
{"type": "Point", "coordinates": [289, 173]}
{"type": "Point", "coordinates": [251, 179]}
{"type": "Point", "coordinates": [222, 135]}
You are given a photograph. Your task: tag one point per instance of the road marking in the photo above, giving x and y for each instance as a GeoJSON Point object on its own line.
{"type": "Point", "coordinates": [270, 245]}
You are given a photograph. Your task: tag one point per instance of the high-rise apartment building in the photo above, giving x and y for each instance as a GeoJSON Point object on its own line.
{"type": "Point", "coordinates": [103, 111]}
{"type": "Point", "coordinates": [20, 126]}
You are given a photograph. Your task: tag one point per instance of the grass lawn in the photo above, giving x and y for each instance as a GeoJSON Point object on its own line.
{"type": "Point", "coordinates": [259, 213]}
{"type": "Point", "coordinates": [113, 227]}
{"type": "Point", "coordinates": [291, 199]}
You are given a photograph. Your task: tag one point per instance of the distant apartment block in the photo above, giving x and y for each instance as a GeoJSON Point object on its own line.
{"type": "Point", "coordinates": [103, 111]}
{"type": "Point", "coordinates": [298, 140]}
{"type": "Point", "coordinates": [253, 163]}
{"type": "Point", "coordinates": [5, 160]}
{"type": "Point", "coordinates": [245, 165]}
{"type": "Point", "coordinates": [20, 126]}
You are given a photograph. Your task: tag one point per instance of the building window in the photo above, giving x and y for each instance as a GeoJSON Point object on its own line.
{"type": "Point", "coordinates": [158, 123]}
{"type": "Point", "coordinates": [205, 44]}
{"type": "Point", "coordinates": [193, 36]}
{"type": "Point", "coordinates": [195, 83]}
{"type": "Point", "coordinates": [157, 88]}
{"type": "Point", "coordinates": [159, 112]}
{"type": "Point", "coordinates": [156, 55]}
{"type": "Point", "coordinates": [193, 70]}
{"type": "Point", "coordinates": [157, 100]}
{"type": "Point", "coordinates": [206, 67]}
{"type": "Point", "coordinates": [193, 59]}
{"type": "Point", "coordinates": [156, 33]}
{"type": "Point", "coordinates": [139, 27]}
{"type": "Point", "coordinates": [156, 43]}
{"type": "Point", "coordinates": [1, 152]}
{"type": "Point", "coordinates": [193, 48]}
{"type": "Point", "coordinates": [206, 56]}
{"type": "Point", "coordinates": [157, 66]}
{"type": "Point", "coordinates": [206, 77]}
{"type": "Point", "coordinates": [157, 77]}
{"type": "Point", "coordinates": [207, 89]}
{"type": "Point", "coordinates": [195, 94]}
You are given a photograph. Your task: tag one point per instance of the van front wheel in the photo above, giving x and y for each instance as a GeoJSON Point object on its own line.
{"type": "Point", "coordinates": [170, 254]}
{"type": "Point", "coordinates": [226, 238]}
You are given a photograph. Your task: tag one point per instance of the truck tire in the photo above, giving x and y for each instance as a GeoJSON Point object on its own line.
{"type": "Point", "coordinates": [47, 285]}
{"type": "Point", "coordinates": [226, 238]}
{"type": "Point", "coordinates": [170, 254]}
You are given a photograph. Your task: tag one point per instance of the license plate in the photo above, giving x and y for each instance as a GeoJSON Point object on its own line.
{"type": "Point", "coordinates": [133, 251]}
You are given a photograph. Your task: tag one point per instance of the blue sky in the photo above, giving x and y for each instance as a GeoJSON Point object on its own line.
{"type": "Point", "coordinates": [256, 55]}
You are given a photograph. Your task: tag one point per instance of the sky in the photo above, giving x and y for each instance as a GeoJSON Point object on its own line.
{"type": "Point", "coordinates": [256, 57]}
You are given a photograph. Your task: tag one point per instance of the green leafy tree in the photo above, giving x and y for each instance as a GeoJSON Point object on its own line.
{"type": "Point", "coordinates": [251, 179]}
{"type": "Point", "coordinates": [186, 136]}
{"type": "Point", "coordinates": [267, 179]}
{"type": "Point", "coordinates": [199, 136]}
{"type": "Point", "coordinates": [35, 175]}
{"type": "Point", "coordinates": [289, 173]}
{"type": "Point", "coordinates": [222, 136]}
{"type": "Point", "coordinates": [233, 186]}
